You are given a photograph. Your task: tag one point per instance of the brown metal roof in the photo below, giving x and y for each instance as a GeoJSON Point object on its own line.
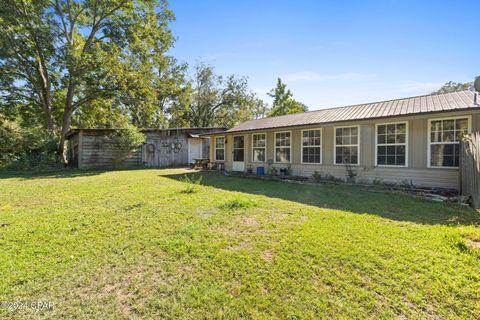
{"type": "Point", "coordinates": [461, 100]}
{"type": "Point", "coordinates": [191, 131]}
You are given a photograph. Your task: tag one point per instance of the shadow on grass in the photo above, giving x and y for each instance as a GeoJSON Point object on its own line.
{"type": "Point", "coordinates": [357, 199]}
{"type": "Point", "coordinates": [67, 173]}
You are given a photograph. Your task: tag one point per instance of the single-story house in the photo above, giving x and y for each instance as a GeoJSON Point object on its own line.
{"type": "Point", "coordinates": [412, 140]}
{"type": "Point", "coordinates": [173, 147]}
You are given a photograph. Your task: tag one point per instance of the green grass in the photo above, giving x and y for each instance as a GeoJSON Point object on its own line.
{"type": "Point", "coordinates": [134, 244]}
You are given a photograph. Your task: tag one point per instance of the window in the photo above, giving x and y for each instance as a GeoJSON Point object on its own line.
{"type": "Point", "coordinates": [311, 146]}
{"type": "Point", "coordinates": [445, 136]}
{"type": "Point", "coordinates": [392, 144]}
{"type": "Point", "coordinates": [220, 148]}
{"type": "Point", "coordinates": [282, 146]}
{"type": "Point", "coordinates": [346, 145]}
{"type": "Point", "coordinates": [259, 143]}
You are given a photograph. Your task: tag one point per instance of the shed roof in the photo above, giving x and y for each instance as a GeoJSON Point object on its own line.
{"type": "Point", "coordinates": [189, 131]}
{"type": "Point", "coordinates": [455, 101]}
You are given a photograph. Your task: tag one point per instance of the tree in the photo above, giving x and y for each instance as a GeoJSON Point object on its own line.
{"type": "Point", "coordinates": [452, 86]}
{"type": "Point", "coordinates": [259, 108]}
{"type": "Point", "coordinates": [23, 147]}
{"type": "Point", "coordinates": [283, 103]}
{"type": "Point", "coordinates": [10, 135]}
{"type": "Point", "coordinates": [65, 58]}
{"type": "Point", "coordinates": [214, 101]}
{"type": "Point", "coordinates": [124, 141]}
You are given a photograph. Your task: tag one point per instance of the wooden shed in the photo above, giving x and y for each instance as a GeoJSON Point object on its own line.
{"type": "Point", "coordinates": [174, 147]}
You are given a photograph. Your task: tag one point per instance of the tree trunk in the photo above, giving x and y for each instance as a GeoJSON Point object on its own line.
{"type": "Point", "coordinates": [66, 121]}
{"type": "Point", "coordinates": [47, 111]}
{"type": "Point", "coordinates": [67, 116]}
{"type": "Point", "coordinates": [46, 98]}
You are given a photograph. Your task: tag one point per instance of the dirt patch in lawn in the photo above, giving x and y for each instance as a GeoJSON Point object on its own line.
{"type": "Point", "coordinates": [267, 255]}
{"type": "Point", "coordinates": [473, 244]}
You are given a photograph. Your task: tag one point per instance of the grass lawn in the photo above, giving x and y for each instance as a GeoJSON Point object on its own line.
{"type": "Point", "coordinates": [134, 244]}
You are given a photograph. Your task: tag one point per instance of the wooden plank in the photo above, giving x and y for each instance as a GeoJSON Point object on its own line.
{"type": "Point", "coordinates": [470, 168]}
{"type": "Point", "coordinates": [80, 149]}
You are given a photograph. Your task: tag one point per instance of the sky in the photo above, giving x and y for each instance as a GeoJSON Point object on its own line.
{"type": "Point", "coordinates": [333, 53]}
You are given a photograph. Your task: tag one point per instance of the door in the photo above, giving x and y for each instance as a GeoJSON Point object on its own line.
{"type": "Point", "coordinates": [150, 153]}
{"type": "Point", "coordinates": [238, 153]}
{"type": "Point", "coordinates": [194, 149]}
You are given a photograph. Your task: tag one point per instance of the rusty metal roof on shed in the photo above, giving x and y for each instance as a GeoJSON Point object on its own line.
{"type": "Point", "coordinates": [455, 101]}
{"type": "Point", "coordinates": [189, 131]}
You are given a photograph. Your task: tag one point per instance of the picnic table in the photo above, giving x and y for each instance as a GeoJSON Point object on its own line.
{"type": "Point", "coordinates": [201, 163]}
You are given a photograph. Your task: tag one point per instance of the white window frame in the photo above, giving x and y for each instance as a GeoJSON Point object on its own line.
{"type": "Point", "coordinates": [349, 145]}
{"type": "Point", "coordinates": [264, 148]}
{"type": "Point", "coordinates": [215, 148]}
{"type": "Point", "coordinates": [429, 144]}
{"type": "Point", "coordinates": [275, 147]}
{"type": "Point", "coordinates": [302, 146]}
{"type": "Point", "coordinates": [245, 140]}
{"type": "Point", "coordinates": [391, 144]}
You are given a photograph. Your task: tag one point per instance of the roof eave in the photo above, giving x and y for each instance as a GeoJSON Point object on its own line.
{"type": "Point", "coordinates": [212, 133]}
{"type": "Point", "coordinates": [475, 108]}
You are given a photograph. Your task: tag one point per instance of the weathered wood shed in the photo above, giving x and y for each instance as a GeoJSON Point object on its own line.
{"type": "Point", "coordinates": [91, 148]}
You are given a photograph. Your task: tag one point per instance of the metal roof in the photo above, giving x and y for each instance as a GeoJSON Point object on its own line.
{"type": "Point", "coordinates": [191, 131]}
{"type": "Point", "coordinates": [454, 101]}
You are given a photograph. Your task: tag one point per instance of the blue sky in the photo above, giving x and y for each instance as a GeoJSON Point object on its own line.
{"type": "Point", "coordinates": [333, 53]}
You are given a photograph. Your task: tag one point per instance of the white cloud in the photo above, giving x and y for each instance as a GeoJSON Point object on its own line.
{"type": "Point", "coordinates": [314, 76]}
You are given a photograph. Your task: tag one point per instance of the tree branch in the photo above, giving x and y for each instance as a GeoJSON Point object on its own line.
{"type": "Point", "coordinates": [59, 9]}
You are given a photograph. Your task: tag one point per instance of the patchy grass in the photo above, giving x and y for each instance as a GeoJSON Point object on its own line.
{"type": "Point", "coordinates": [191, 183]}
{"type": "Point", "coordinates": [237, 203]}
{"type": "Point", "coordinates": [130, 244]}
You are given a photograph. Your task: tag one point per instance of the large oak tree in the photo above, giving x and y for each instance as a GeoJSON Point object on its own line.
{"type": "Point", "coordinates": [65, 58]}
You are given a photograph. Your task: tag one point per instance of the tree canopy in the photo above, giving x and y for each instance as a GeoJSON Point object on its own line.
{"type": "Point", "coordinates": [452, 86]}
{"type": "Point", "coordinates": [283, 103]}
{"type": "Point", "coordinates": [215, 100]}
{"type": "Point", "coordinates": [105, 63]}
{"type": "Point", "coordinates": [67, 60]}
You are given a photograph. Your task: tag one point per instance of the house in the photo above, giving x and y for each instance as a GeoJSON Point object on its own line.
{"type": "Point", "coordinates": [90, 148]}
{"type": "Point", "coordinates": [412, 140]}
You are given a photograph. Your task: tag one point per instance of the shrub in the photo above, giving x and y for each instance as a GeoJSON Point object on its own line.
{"type": "Point", "coordinates": [407, 183]}
{"type": "Point", "coordinates": [351, 173]}
{"type": "Point", "coordinates": [24, 148]}
{"type": "Point", "coordinates": [192, 183]}
{"type": "Point", "coordinates": [288, 170]}
{"type": "Point", "coordinates": [124, 141]}
{"type": "Point", "coordinates": [273, 171]}
{"type": "Point", "coordinates": [317, 176]}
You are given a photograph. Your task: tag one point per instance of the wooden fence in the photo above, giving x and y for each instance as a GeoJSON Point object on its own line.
{"type": "Point", "coordinates": [470, 168]}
